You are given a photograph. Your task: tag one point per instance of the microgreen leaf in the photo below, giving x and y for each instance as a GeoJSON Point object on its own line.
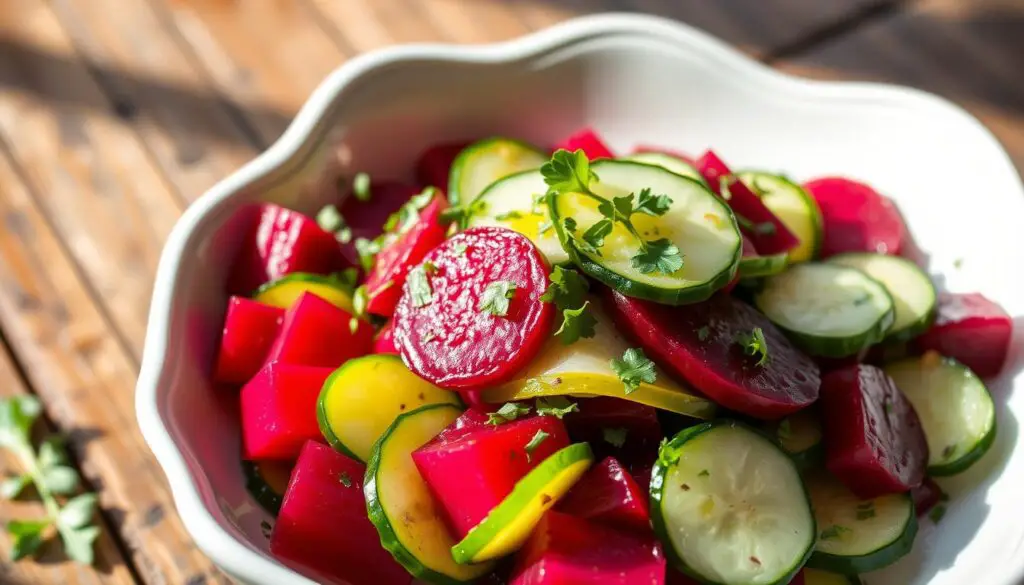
{"type": "Point", "coordinates": [583, 245]}
{"type": "Point", "coordinates": [568, 172]}
{"type": "Point", "coordinates": [329, 219]}
{"type": "Point", "coordinates": [654, 205]}
{"type": "Point", "coordinates": [615, 436]}
{"type": "Point", "coordinates": [623, 205]}
{"type": "Point", "coordinates": [78, 511]}
{"type": "Point", "coordinates": [78, 543]}
{"type": "Point", "coordinates": [367, 250]}
{"type": "Point", "coordinates": [538, 438]}
{"type": "Point", "coordinates": [16, 417]}
{"type": "Point", "coordinates": [568, 288]}
{"type": "Point", "coordinates": [418, 282]}
{"type": "Point", "coordinates": [13, 486]}
{"type": "Point", "coordinates": [596, 233]}
{"type": "Point", "coordinates": [556, 406]}
{"type": "Point", "coordinates": [576, 323]}
{"type": "Point", "coordinates": [754, 344]}
{"type": "Point", "coordinates": [25, 545]}
{"type": "Point", "coordinates": [508, 412]}
{"type": "Point", "coordinates": [633, 368]}
{"type": "Point", "coordinates": [494, 299]}
{"type": "Point", "coordinates": [660, 256]}
{"type": "Point", "coordinates": [60, 479]}
{"type": "Point", "coordinates": [361, 186]}
{"type": "Point", "coordinates": [347, 278]}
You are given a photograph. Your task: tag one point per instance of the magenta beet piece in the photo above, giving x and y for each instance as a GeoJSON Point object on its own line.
{"type": "Point", "coordinates": [698, 343]}
{"type": "Point", "coordinates": [435, 164]}
{"type": "Point", "coordinates": [638, 421]}
{"type": "Point", "coordinates": [317, 333]}
{"type": "Point", "coordinates": [472, 420]}
{"type": "Point", "coordinates": [748, 206]}
{"type": "Point", "coordinates": [565, 550]}
{"type": "Point", "coordinates": [608, 494]}
{"type": "Point", "coordinates": [856, 218]}
{"type": "Point", "coordinates": [873, 438]}
{"type": "Point", "coordinates": [926, 496]}
{"type": "Point", "coordinates": [384, 341]}
{"type": "Point", "coordinates": [971, 329]}
{"type": "Point", "coordinates": [279, 410]}
{"type": "Point", "coordinates": [471, 471]}
{"type": "Point", "coordinates": [279, 242]}
{"type": "Point", "coordinates": [588, 140]}
{"type": "Point", "coordinates": [366, 219]}
{"type": "Point", "coordinates": [250, 328]}
{"type": "Point", "coordinates": [323, 529]}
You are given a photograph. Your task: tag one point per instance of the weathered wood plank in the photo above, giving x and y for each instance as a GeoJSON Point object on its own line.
{"type": "Point", "coordinates": [970, 52]}
{"type": "Point", "coordinates": [110, 567]}
{"type": "Point", "coordinates": [72, 358]}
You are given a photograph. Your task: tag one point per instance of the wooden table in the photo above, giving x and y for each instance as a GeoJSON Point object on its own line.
{"type": "Point", "coordinates": [115, 114]}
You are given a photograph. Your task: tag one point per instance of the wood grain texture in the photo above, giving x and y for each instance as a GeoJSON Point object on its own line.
{"type": "Point", "coordinates": [970, 52]}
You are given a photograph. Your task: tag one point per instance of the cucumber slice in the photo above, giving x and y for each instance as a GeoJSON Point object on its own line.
{"type": "Point", "coordinates": [667, 162]}
{"type": "Point", "coordinates": [486, 161]}
{"type": "Point", "coordinates": [912, 292]}
{"type": "Point", "coordinates": [700, 224]}
{"type": "Point", "coordinates": [730, 507]}
{"type": "Point", "coordinates": [799, 435]}
{"type": "Point", "coordinates": [758, 266]}
{"type": "Point", "coordinates": [794, 207]}
{"type": "Point", "coordinates": [284, 291]}
{"type": "Point", "coordinates": [828, 310]}
{"type": "Point", "coordinates": [856, 536]}
{"type": "Point", "coordinates": [818, 577]}
{"type": "Point", "coordinates": [267, 481]}
{"type": "Point", "coordinates": [517, 202]}
{"type": "Point", "coordinates": [410, 523]}
{"type": "Point", "coordinates": [955, 407]}
{"type": "Point", "coordinates": [364, 396]}
{"type": "Point", "coordinates": [507, 526]}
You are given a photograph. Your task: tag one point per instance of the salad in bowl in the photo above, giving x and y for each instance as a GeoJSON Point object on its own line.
{"type": "Point", "coordinates": [557, 364]}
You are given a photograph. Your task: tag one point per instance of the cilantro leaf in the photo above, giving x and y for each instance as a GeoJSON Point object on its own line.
{"type": "Point", "coordinates": [509, 215]}
{"type": "Point", "coordinates": [556, 406]}
{"type": "Point", "coordinates": [418, 282]}
{"type": "Point", "coordinates": [576, 323]}
{"type": "Point", "coordinates": [508, 412]}
{"type": "Point", "coordinates": [568, 288]}
{"type": "Point", "coordinates": [633, 368]}
{"type": "Point", "coordinates": [345, 479]}
{"type": "Point", "coordinates": [653, 205]}
{"type": "Point", "coordinates": [361, 186]}
{"type": "Point", "coordinates": [764, 228]}
{"type": "Point", "coordinates": [583, 245]}
{"type": "Point", "coordinates": [568, 172]}
{"type": "Point", "coordinates": [495, 297]}
{"type": "Point", "coordinates": [329, 219]}
{"type": "Point", "coordinates": [623, 205]}
{"type": "Point", "coordinates": [538, 438]}
{"type": "Point", "coordinates": [596, 233]}
{"type": "Point", "coordinates": [367, 250]}
{"type": "Point", "coordinates": [616, 436]}
{"type": "Point", "coordinates": [754, 344]}
{"type": "Point", "coordinates": [660, 256]}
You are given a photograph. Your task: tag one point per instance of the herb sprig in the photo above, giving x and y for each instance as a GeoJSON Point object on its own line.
{"type": "Point", "coordinates": [633, 369]}
{"type": "Point", "coordinates": [754, 344]}
{"type": "Point", "coordinates": [568, 291]}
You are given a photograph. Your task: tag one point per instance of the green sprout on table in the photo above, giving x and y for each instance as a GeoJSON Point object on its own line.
{"type": "Point", "coordinates": [48, 471]}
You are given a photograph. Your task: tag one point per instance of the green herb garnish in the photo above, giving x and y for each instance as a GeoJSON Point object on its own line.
{"type": "Point", "coordinates": [368, 250]}
{"type": "Point", "coordinates": [508, 412]}
{"type": "Point", "coordinates": [754, 344]}
{"type": "Point", "coordinates": [615, 436]}
{"type": "Point", "coordinates": [633, 368]}
{"type": "Point", "coordinates": [330, 219]}
{"type": "Point", "coordinates": [568, 291]}
{"type": "Point", "coordinates": [576, 323]}
{"type": "Point", "coordinates": [345, 479]}
{"type": "Point", "coordinates": [361, 186]}
{"type": "Point", "coordinates": [508, 216]}
{"type": "Point", "coordinates": [494, 299]}
{"type": "Point", "coordinates": [535, 442]}
{"type": "Point", "coordinates": [418, 282]}
{"type": "Point", "coordinates": [556, 406]}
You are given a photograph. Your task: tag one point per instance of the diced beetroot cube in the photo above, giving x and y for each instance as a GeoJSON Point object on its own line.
{"type": "Point", "coordinates": [408, 248]}
{"type": "Point", "coordinates": [384, 342]}
{"type": "Point", "coordinates": [873, 438]}
{"type": "Point", "coordinates": [316, 333]}
{"type": "Point", "coordinates": [366, 218]}
{"type": "Point", "coordinates": [565, 550]}
{"type": "Point", "coordinates": [926, 496]}
{"type": "Point", "coordinates": [282, 241]}
{"type": "Point", "coordinates": [609, 495]}
{"type": "Point", "coordinates": [599, 415]}
{"type": "Point", "coordinates": [747, 205]}
{"type": "Point", "coordinates": [279, 410]}
{"type": "Point", "coordinates": [971, 329]}
{"type": "Point", "coordinates": [588, 140]}
{"type": "Point", "coordinates": [641, 148]}
{"type": "Point", "coordinates": [472, 420]}
{"type": "Point", "coordinates": [323, 528]}
{"type": "Point", "coordinates": [250, 328]}
{"type": "Point", "coordinates": [435, 164]}
{"type": "Point", "coordinates": [856, 218]}
{"type": "Point", "coordinates": [471, 472]}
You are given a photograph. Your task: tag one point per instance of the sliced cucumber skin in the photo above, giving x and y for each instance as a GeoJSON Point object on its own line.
{"type": "Point", "coordinates": [818, 229]}
{"type": "Point", "coordinates": [661, 470]}
{"type": "Point", "coordinates": [871, 561]}
{"type": "Point", "coordinates": [631, 288]}
{"type": "Point", "coordinates": [758, 266]}
{"type": "Point", "coordinates": [914, 328]}
{"type": "Point", "coordinates": [455, 195]}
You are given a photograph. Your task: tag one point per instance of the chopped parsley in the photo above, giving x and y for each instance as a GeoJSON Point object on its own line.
{"type": "Point", "coordinates": [368, 250]}
{"type": "Point", "coordinates": [658, 256]}
{"type": "Point", "coordinates": [834, 532]}
{"type": "Point", "coordinates": [418, 282]}
{"type": "Point", "coordinates": [402, 220]}
{"type": "Point", "coordinates": [576, 323]}
{"type": "Point", "coordinates": [615, 436]}
{"type": "Point", "coordinates": [509, 215]}
{"type": "Point", "coordinates": [330, 219]}
{"type": "Point", "coordinates": [633, 368]}
{"type": "Point", "coordinates": [345, 479]}
{"type": "Point", "coordinates": [535, 442]}
{"type": "Point", "coordinates": [754, 344]}
{"type": "Point", "coordinates": [508, 412]}
{"type": "Point", "coordinates": [556, 406]}
{"type": "Point", "coordinates": [568, 291]}
{"type": "Point", "coordinates": [361, 186]}
{"type": "Point", "coordinates": [494, 299]}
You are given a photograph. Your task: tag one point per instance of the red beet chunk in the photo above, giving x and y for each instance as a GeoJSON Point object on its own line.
{"type": "Point", "coordinates": [973, 330]}
{"type": "Point", "coordinates": [638, 421]}
{"type": "Point", "coordinates": [874, 442]}
{"type": "Point", "coordinates": [588, 140]}
{"type": "Point", "coordinates": [406, 249]}
{"type": "Point", "coordinates": [384, 342]}
{"type": "Point", "coordinates": [450, 340]}
{"type": "Point", "coordinates": [717, 364]}
{"type": "Point", "coordinates": [565, 550]}
{"type": "Point", "coordinates": [926, 496]}
{"type": "Point", "coordinates": [472, 420]}
{"type": "Point", "coordinates": [316, 333]}
{"type": "Point", "coordinates": [279, 410]}
{"type": "Point", "coordinates": [323, 529]}
{"type": "Point", "coordinates": [366, 219]}
{"type": "Point", "coordinates": [279, 242]}
{"type": "Point", "coordinates": [434, 165]}
{"type": "Point", "coordinates": [747, 205]}
{"type": "Point", "coordinates": [642, 148]}
{"type": "Point", "coordinates": [609, 495]}
{"type": "Point", "coordinates": [471, 471]}
{"type": "Point", "coordinates": [250, 328]}
{"type": "Point", "coordinates": [856, 218]}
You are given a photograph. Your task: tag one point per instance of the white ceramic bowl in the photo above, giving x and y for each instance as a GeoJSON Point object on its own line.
{"type": "Point", "coordinates": [636, 79]}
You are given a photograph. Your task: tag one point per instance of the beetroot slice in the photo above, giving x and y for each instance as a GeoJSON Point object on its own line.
{"type": "Point", "coordinates": [587, 140]}
{"type": "Point", "coordinates": [384, 342]}
{"type": "Point", "coordinates": [279, 242]}
{"type": "Point", "coordinates": [638, 423]}
{"type": "Point", "coordinates": [434, 165]}
{"type": "Point", "coordinates": [450, 340]}
{"type": "Point", "coordinates": [407, 249]}
{"type": "Point", "coordinates": [565, 550]}
{"type": "Point", "coordinates": [746, 204]}
{"type": "Point", "coordinates": [608, 494]}
{"type": "Point", "coordinates": [471, 471]}
{"type": "Point", "coordinates": [323, 528]}
{"type": "Point", "coordinates": [250, 328]}
{"type": "Point", "coordinates": [366, 219]}
{"type": "Point", "coordinates": [873, 438]}
{"type": "Point", "coordinates": [717, 364]}
{"type": "Point", "coordinates": [279, 410]}
{"type": "Point", "coordinates": [856, 218]}
{"type": "Point", "coordinates": [971, 329]}
{"type": "Point", "coordinates": [317, 333]}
